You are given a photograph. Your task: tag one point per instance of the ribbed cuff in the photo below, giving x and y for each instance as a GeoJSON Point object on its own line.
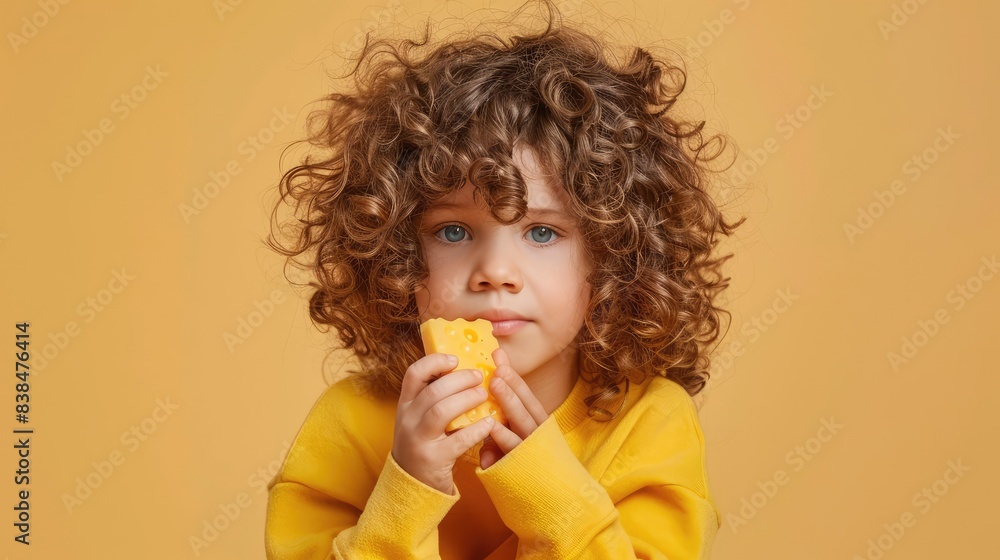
{"type": "Point", "coordinates": [543, 493]}
{"type": "Point", "coordinates": [402, 513]}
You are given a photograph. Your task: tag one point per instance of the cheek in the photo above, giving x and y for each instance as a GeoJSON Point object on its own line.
{"type": "Point", "coordinates": [432, 297]}
{"type": "Point", "coordinates": [574, 300]}
{"type": "Point", "coordinates": [583, 291]}
{"type": "Point", "coordinates": [583, 302]}
{"type": "Point", "coordinates": [421, 297]}
{"type": "Point", "coordinates": [424, 292]}
{"type": "Point", "coordinates": [565, 305]}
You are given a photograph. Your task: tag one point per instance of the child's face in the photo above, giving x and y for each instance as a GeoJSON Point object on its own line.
{"type": "Point", "coordinates": [535, 269]}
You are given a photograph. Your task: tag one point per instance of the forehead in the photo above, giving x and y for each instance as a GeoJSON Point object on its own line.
{"type": "Point", "coordinates": [545, 196]}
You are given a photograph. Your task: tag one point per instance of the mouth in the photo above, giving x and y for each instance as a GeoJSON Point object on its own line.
{"type": "Point", "coordinates": [504, 328]}
{"type": "Point", "coordinates": [505, 322]}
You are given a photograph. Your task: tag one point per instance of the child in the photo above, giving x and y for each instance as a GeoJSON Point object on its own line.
{"type": "Point", "coordinates": [535, 184]}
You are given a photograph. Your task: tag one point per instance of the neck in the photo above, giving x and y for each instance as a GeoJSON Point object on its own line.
{"type": "Point", "coordinates": [552, 382]}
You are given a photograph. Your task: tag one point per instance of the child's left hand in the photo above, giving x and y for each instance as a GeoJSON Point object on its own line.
{"type": "Point", "coordinates": [523, 411]}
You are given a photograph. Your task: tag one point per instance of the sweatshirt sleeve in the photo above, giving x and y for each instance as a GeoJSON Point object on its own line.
{"type": "Point", "coordinates": [558, 510]}
{"type": "Point", "coordinates": [325, 502]}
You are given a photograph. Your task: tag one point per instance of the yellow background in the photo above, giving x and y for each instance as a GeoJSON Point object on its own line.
{"type": "Point", "coordinates": [160, 338]}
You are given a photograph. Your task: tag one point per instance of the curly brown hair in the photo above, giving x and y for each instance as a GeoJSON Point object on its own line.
{"type": "Point", "coordinates": [417, 125]}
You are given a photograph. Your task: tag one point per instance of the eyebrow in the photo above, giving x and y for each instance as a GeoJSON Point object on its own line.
{"type": "Point", "coordinates": [533, 211]}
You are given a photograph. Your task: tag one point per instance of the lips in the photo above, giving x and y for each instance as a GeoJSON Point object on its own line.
{"type": "Point", "coordinates": [504, 321]}
{"type": "Point", "coordinates": [496, 315]}
{"type": "Point", "coordinates": [503, 328]}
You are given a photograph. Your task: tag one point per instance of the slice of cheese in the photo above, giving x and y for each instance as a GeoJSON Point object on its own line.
{"type": "Point", "coordinates": [473, 342]}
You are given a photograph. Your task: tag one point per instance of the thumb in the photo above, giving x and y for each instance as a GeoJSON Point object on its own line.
{"type": "Point", "coordinates": [504, 438]}
{"type": "Point", "coordinates": [489, 453]}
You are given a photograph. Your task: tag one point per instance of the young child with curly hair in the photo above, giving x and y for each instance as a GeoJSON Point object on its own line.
{"type": "Point", "coordinates": [533, 183]}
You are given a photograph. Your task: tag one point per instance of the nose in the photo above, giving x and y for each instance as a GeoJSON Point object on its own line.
{"type": "Point", "coordinates": [496, 264]}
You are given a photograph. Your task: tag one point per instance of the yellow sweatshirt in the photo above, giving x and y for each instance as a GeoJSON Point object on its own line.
{"type": "Point", "coordinates": [634, 487]}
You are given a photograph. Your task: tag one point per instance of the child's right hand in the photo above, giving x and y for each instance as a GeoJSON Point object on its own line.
{"type": "Point", "coordinates": [428, 401]}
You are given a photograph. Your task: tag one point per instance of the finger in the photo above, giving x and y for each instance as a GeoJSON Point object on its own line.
{"type": "Point", "coordinates": [518, 418]}
{"type": "Point", "coordinates": [489, 453]}
{"type": "Point", "coordinates": [422, 372]}
{"type": "Point", "coordinates": [433, 424]}
{"type": "Point", "coordinates": [505, 439]}
{"type": "Point", "coordinates": [464, 438]}
{"type": "Point", "coordinates": [500, 357]}
{"type": "Point", "coordinates": [448, 384]}
{"type": "Point", "coordinates": [520, 388]}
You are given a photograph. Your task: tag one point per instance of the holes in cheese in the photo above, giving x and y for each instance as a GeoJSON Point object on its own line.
{"type": "Point", "coordinates": [473, 342]}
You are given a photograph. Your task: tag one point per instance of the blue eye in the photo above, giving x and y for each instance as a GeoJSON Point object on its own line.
{"type": "Point", "coordinates": [547, 234]}
{"type": "Point", "coordinates": [452, 230]}
{"type": "Point", "coordinates": [454, 233]}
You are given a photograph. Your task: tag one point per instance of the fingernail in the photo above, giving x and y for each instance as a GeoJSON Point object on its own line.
{"type": "Point", "coordinates": [452, 359]}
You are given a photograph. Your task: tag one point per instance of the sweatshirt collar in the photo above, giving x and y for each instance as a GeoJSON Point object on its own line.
{"type": "Point", "coordinates": [572, 410]}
